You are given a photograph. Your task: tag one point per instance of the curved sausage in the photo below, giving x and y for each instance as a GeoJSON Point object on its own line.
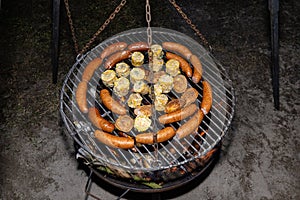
{"type": "Point", "coordinates": [110, 103]}
{"type": "Point", "coordinates": [90, 69]}
{"type": "Point", "coordinates": [207, 98]}
{"type": "Point", "coordinates": [115, 58]}
{"type": "Point", "coordinates": [138, 46]}
{"type": "Point", "coordinates": [184, 65]}
{"type": "Point", "coordinates": [162, 135]}
{"type": "Point", "coordinates": [178, 48]}
{"type": "Point", "coordinates": [189, 96]}
{"type": "Point", "coordinates": [81, 97]}
{"type": "Point", "coordinates": [118, 46]}
{"type": "Point", "coordinates": [113, 140]}
{"type": "Point", "coordinates": [197, 74]}
{"type": "Point", "coordinates": [178, 115]}
{"type": "Point", "coordinates": [99, 121]}
{"type": "Point", "coordinates": [189, 126]}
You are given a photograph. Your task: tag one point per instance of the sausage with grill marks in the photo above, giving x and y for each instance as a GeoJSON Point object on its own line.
{"type": "Point", "coordinates": [162, 135]}
{"type": "Point", "coordinates": [90, 69]}
{"type": "Point", "coordinates": [197, 73]}
{"type": "Point", "coordinates": [115, 58]}
{"type": "Point", "coordinates": [178, 115]}
{"type": "Point", "coordinates": [80, 97]}
{"type": "Point", "coordinates": [110, 103]}
{"type": "Point", "coordinates": [189, 126]}
{"type": "Point", "coordinates": [178, 48]}
{"type": "Point", "coordinates": [138, 46]}
{"type": "Point", "coordinates": [206, 103]}
{"type": "Point", "coordinates": [113, 140]}
{"type": "Point", "coordinates": [113, 48]}
{"type": "Point", "coordinates": [184, 65]}
{"type": "Point", "coordinates": [98, 121]}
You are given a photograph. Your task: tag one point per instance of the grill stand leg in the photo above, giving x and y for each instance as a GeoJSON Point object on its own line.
{"type": "Point", "coordinates": [274, 9]}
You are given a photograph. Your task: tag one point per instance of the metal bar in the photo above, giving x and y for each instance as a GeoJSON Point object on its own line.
{"type": "Point", "coordinates": [274, 9]}
{"type": "Point", "coordinates": [123, 194]}
{"type": "Point", "coordinates": [55, 39]}
{"type": "Point", "coordinates": [88, 187]}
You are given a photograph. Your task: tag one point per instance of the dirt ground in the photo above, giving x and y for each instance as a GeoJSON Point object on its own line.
{"type": "Point", "coordinates": [261, 157]}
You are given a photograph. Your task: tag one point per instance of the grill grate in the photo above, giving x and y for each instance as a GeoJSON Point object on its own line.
{"type": "Point", "coordinates": [173, 153]}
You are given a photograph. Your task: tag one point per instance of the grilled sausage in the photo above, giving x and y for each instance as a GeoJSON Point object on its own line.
{"type": "Point", "coordinates": [184, 65]}
{"type": "Point", "coordinates": [98, 121]}
{"type": "Point", "coordinates": [178, 48]}
{"type": "Point", "coordinates": [81, 97]}
{"type": "Point", "coordinates": [174, 105]}
{"type": "Point", "coordinates": [113, 140]}
{"type": "Point", "coordinates": [207, 98]}
{"type": "Point", "coordinates": [113, 48]}
{"type": "Point", "coordinates": [197, 73]}
{"type": "Point", "coordinates": [110, 103]}
{"type": "Point", "coordinates": [138, 46]}
{"type": "Point", "coordinates": [115, 58]}
{"type": "Point", "coordinates": [189, 96]}
{"type": "Point", "coordinates": [177, 115]}
{"type": "Point", "coordinates": [189, 126]}
{"type": "Point", "coordinates": [162, 135]}
{"type": "Point", "coordinates": [90, 69]}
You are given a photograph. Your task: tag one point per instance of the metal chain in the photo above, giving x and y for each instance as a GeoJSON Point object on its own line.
{"type": "Point", "coordinates": [104, 25]}
{"type": "Point", "coordinates": [156, 162]}
{"type": "Point", "coordinates": [71, 26]}
{"type": "Point", "coordinates": [189, 22]}
{"type": "Point", "coordinates": [148, 19]}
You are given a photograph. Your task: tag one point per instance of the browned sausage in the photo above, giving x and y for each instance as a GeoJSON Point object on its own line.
{"type": "Point", "coordinates": [115, 58]}
{"type": "Point", "coordinates": [113, 140]}
{"type": "Point", "coordinates": [177, 115]}
{"type": "Point", "coordinates": [81, 97]}
{"type": "Point", "coordinates": [113, 48]}
{"type": "Point", "coordinates": [90, 69]}
{"type": "Point", "coordinates": [189, 96]}
{"type": "Point", "coordinates": [110, 103]}
{"type": "Point", "coordinates": [174, 105]}
{"type": "Point", "coordinates": [138, 46]}
{"type": "Point", "coordinates": [99, 121]}
{"type": "Point", "coordinates": [162, 135]}
{"type": "Point", "coordinates": [178, 48]}
{"type": "Point", "coordinates": [207, 98]}
{"type": "Point", "coordinates": [189, 126]}
{"type": "Point", "coordinates": [184, 65]}
{"type": "Point", "coordinates": [197, 74]}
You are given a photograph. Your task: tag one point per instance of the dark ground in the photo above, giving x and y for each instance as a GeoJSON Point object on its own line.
{"type": "Point", "coordinates": [262, 159]}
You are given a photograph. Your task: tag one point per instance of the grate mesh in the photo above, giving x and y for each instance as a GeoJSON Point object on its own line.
{"type": "Point", "coordinates": [173, 153]}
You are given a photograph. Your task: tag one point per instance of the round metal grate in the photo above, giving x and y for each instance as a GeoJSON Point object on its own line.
{"type": "Point", "coordinates": [172, 154]}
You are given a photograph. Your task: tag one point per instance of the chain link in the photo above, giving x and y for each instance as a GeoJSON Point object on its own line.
{"type": "Point", "coordinates": [104, 25]}
{"type": "Point", "coordinates": [148, 19]}
{"type": "Point", "coordinates": [189, 22]}
{"type": "Point", "coordinates": [71, 26]}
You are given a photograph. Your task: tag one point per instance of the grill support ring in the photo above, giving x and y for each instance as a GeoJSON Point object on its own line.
{"type": "Point", "coordinates": [191, 179]}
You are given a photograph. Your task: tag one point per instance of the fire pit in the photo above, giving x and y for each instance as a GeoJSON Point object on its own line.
{"type": "Point", "coordinates": [152, 164]}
